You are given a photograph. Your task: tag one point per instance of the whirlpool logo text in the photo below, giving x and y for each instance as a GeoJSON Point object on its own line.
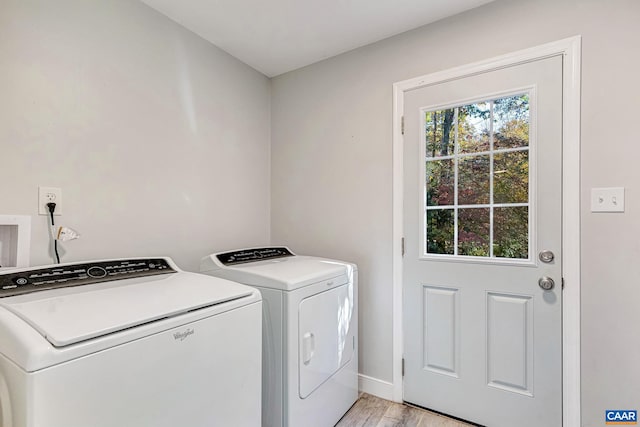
{"type": "Point", "coordinates": [183, 335]}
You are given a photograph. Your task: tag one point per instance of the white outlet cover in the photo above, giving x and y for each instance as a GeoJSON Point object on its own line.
{"type": "Point", "coordinates": [44, 194]}
{"type": "Point", "coordinates": [609, 199]}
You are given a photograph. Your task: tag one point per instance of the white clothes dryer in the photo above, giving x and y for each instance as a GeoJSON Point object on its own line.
{"type": "Point", "coordinates": [310, 332]}
{"type": "Point", "coordinates": [127, 343]}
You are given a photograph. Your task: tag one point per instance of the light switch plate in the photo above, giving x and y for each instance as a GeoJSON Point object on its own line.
{"type": "Point", "coordinates": [607, 199]}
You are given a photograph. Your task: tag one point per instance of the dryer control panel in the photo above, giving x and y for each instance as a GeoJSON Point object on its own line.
{"type": "Point", "coordinates": [39, 279]}
{"type": "Point", "coordinates": [254, 254]}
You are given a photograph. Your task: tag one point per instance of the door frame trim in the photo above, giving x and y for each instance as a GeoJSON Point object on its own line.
{"type": "Point", "coordinates": [570, 49]}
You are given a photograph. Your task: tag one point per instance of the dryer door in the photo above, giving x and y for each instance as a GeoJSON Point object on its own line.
{"type": "Point", "coordinates": [325, 338]}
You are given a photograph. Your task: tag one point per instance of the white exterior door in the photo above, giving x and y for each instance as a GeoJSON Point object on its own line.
{"type": "Point", "coordinates": [482, 226]}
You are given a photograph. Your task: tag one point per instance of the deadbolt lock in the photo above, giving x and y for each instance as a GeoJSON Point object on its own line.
{"type": "Point", "coordinates": [546, 256]}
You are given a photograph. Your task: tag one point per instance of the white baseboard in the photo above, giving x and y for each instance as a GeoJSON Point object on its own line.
{"type": "Point", "coordinates": [376, 387]}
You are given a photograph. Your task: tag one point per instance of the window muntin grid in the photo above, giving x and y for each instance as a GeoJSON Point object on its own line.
{"type": "Point", "coordinates": [478, 156]}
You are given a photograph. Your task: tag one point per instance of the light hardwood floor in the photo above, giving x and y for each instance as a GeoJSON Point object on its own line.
{"type": "Point", "coordinates": [371, 411]}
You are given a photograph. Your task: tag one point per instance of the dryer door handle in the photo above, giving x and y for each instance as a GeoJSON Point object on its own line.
{"type": "Point", "coordinates": [308, 347]}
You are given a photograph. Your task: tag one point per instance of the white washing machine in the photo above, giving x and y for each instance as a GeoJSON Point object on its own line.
{"type": "Point", "coordinates": [310, 339]}
{"type": "Point", "coordinates": [127, 343]}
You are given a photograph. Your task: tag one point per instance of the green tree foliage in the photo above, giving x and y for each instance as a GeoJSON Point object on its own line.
{"type": "Point", "coordinates": [440, 231]}
{"type": "Point", "coordinates": [510, 226]}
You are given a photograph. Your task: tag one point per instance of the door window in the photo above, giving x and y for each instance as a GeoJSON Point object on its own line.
{"type": "Point", "coordinates": [477, 186]}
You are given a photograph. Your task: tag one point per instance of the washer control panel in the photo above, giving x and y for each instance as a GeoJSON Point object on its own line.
{"type": "Point", "coordinates": [251, 255]}
{"type": "Point", "coordinates": [38, 279]}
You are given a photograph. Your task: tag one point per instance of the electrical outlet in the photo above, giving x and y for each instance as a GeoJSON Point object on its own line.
{"type": "Point", "coordinates": [49, 195]}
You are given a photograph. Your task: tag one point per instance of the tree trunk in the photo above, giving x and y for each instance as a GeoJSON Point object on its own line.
{"type": "Point", "coordinates": [446, 131]}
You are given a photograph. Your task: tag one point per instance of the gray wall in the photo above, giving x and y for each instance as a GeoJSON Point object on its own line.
{"type": "Point", "coordinates": [159, 140]}
{"type": "Point", "coordinates": [160, 143]}
{"type": "Point", "coordinates": [331, 168]}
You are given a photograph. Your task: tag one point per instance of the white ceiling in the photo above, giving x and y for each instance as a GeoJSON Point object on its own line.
{"type": "Point", "coordinates": [276, 36]}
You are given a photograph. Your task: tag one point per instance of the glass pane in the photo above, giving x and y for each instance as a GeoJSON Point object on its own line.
{"type": "Point", "coordinates": [440, 225]}
{"type": "Point", "coordinates": [440, 135]}
{"type": "Point", "coordinates": [473, 180]}
{"type": "Point", "coordinates": [510, 232]}
{"type": "Point", "coordinates": [473, 232]}
{"type": "Point", "coordinates": [511, 122]}
{"type": "Point", "coordinates": [473, 127]}
{"type": "Point", "coordinates": [440, 182]}
{"type": "Point", "coordinates": [511, 177]}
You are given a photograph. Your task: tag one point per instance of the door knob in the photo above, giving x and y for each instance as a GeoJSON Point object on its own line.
{"type": "Point", "coordinates": [546, 283]}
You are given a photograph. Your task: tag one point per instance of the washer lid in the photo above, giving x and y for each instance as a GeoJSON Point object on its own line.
{"type": "Point", "coordinates": [69, 315]}
{"type": "Point", "coordinates": [287, 273]}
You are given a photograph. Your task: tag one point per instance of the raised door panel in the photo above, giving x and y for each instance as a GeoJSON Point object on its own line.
{"type": "Point", "coordinates": [441, 330]}
{"type": "Point", "coordinates": [510, 342]}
